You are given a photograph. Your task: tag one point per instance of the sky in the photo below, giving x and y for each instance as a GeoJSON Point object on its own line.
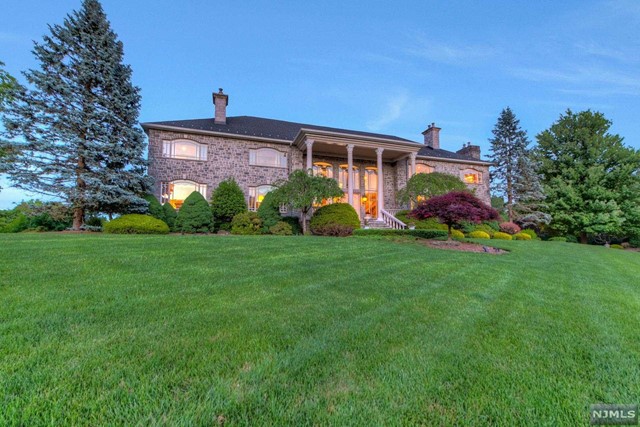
{"type": "Point", "coordinates": [387, 67]}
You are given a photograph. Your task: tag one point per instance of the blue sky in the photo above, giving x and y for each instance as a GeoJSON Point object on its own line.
{"type": "Point", "coordinates": [389, 67]}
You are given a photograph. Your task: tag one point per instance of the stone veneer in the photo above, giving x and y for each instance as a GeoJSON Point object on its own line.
{"type": "Point", "coordinates": [229, 157]}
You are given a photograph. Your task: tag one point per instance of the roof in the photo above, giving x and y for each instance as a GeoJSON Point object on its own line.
{"type": "Point", "coordinates": [288, 131]}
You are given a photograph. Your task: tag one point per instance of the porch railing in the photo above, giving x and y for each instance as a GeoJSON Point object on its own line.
{"type": "Point", "coordinates": [392, 221]}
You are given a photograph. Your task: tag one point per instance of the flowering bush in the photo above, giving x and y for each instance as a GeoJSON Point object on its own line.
{"type": "Point", "coordinates": [510, 228]}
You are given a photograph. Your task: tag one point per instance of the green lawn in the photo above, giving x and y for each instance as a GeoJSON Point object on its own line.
{"type": "Point", "coordinates": [173, 330]}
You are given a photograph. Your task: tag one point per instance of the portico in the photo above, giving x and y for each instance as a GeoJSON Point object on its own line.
{"type": "Point", "coordinates": [368, 161]}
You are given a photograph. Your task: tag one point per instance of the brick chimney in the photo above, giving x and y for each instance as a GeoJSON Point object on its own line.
{"type": "Point", "coordinates": [220, 102]}
{"type": "Point", "coordinates": [470, 150]}
{"type": "Point", "coordinates": [432, 136]}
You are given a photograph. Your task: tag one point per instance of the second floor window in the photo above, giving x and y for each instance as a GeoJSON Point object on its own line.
{"type": "Point", "coordinates": [471, 176]}
{"type": "Point", "coordinates": [267, 157]}
{"type": "Point", "coordinates": [184, 149]}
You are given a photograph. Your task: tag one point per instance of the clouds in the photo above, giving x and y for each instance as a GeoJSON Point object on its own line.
{"type": "Point", "coordinates": [393, 110]}
{"type": "Point", "coordinates": [432, 50]}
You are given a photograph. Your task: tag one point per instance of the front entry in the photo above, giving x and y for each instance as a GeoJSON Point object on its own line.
{"type": "Point", "coordinates": [370, 199]}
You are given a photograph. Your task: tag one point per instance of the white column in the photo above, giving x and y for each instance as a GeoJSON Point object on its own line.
{"type": "Point", "coordinates": [380, 183]}
{"type": "Point", "coordinates": [350, 174]}
{"type": "Point", "coordinates": [413, 164]}
{"type": "Point", "coordinates": [309, 143]}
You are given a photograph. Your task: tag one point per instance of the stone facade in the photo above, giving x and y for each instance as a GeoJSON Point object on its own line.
{"type": "Point", "coordinates": [228, 157]}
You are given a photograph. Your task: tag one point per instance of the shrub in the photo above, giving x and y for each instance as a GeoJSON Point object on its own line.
{"type": "Point", "coordinates": [485, 228]}
{"type": "Point", "coordinates": [269, 211]}
{"type": "Point", "coordinates": [510, 227]}
{"type": "Point", "coordinates": [170, 215]}
{"type": "Point", "coordinates": [226, 202]}
{"type": "Point", "coordinates": [502, 236]}
{"type": "Point", "coordinates": [457, 234]}
{"type": "Point", "coordinates": [294, 222]}
{"type": "Point", "coordinates": [558, 239]}
{"type": "Point", "coordinates": [194, 215]}
{"type": "Point", "coordinates": [635, 241]}
{"type": "Point", "coordinates": [530, 232]}
{"type": "Point", "coordinates": [155, 208]}
{"type": "Point", "coordinates": [616, 246]}
{"type": "Point", "coordinates": [337, 219]}
{"type": "Point", "coordinates": [136, 224]}
{"type": "Point", "coordinates": [572, 239]}
{"type": "Point", "coordinates": [281, 229]}
{"type": "Point", "coordinates": [246, 223]}
{"type": "Point", "coordinates": [423, 234]}
{"type": "Point", "coordinates": [479, 234]}
{"type": "Point", "coordinates": [19, 222]}
{"type": "Point", "coordinates": [522, 236]}
{"type": "Point", "coordinates": [421, 224]}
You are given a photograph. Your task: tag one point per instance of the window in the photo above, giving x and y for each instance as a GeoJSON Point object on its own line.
{"type": "Point", "coordinates": [370, 179]}
{"type": "Point", "coordinates": [422, 168]}
{"type": "Point", "coordinates": [267, 157]}
{"type": "Point", "coordinates": [256, 196]}
{"type": "Point", "coordinates": [471, 176]}
{"type": "Point", "coordinates": [184, 149]}
{"type": "Point", "coordinates": [344, 177]}
{"type": "Point", "coordinates": [323, 169]}
{"type": "Point", "coordinates": [175, 192]}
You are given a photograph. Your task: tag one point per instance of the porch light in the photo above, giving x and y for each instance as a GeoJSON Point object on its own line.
{"type": "Point", "coordinates": [363, 198]}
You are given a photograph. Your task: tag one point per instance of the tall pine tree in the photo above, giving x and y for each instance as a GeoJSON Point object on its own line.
{"type": "Point", "coordinates": [508, 148]}
{"type": "Point", "coordinates": [77, 123]}
{"type": "Point", "coordinates": [529, 205]}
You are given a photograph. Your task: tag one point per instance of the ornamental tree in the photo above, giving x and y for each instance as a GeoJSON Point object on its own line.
{"type": "Point", "coordinates": [76, 126]}
{"type": "Point", "coordinates": [423, 186]}
{"type": "Point", "coordinates": [591, 179]}
{"type": "Point", "coordinates": [302, 190]}
{"type": "Point", "coordinates": [453, 208]}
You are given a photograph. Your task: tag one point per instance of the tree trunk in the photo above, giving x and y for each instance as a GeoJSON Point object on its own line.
{"type": "Point", "coordinates": [303, 218]}
{"type": "Point", "coordinates": [583, 238]}
{"type": "Point", "coordinates": [78, 218]}
{"type": "Point", "coordinates": [449, 232]}
{"type": "Point", "coordinates": [78, 211]}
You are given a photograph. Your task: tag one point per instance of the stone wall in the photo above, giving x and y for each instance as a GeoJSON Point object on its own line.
{"type": "Point", "coordinates": [481, 190]}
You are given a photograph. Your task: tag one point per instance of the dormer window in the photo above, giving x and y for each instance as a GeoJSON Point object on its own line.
{"type": "Point", "coordinates": [267, 157]}
{"type": "Point", "coordinates": [184, 149]}
{"type": "Point", "coordinates": [472, 176]}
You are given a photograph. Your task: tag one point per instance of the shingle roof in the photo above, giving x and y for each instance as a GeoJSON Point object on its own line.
{"type": "Point", "coordinates": [261, 127]}
{"type": "Point", "coordinates": [283, 130]}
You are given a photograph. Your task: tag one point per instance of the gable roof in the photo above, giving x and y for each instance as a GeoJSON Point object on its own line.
{"type": "Point", "coordinates": [259, 127]}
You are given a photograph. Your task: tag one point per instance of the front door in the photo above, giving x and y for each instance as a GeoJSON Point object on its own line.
{"type": "Point", "coordinates": [370, 192]}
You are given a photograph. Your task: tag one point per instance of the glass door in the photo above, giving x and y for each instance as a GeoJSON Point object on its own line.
{"type": "Point", "coordinates": [370, 199]}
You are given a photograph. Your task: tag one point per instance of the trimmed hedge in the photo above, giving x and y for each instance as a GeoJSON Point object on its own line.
{"type": "Point", "coordinates": [337, 219]}
{"type": "Point", "coordinates": [136, 224]}
{"type": "Point", "coordinates": [423, 234]}
{"type": "Point", "coordinates": [522, 236]}
{"type": "Point", "coordinates": [479, 234]}
{"type": "Point", "coordinates": [502, 236]}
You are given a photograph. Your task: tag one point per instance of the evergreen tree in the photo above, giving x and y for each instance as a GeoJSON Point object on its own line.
{"type": "Point", "coordinates": [78, 120]}
{"type": "Point", "coordinates": [194, 215]}
{"type": "Point", "coordinates": [170, 215]}
{"type": "Point", "coordinates": [8, 85]}
{"type": "Point", "coordinates": [508, 146]}
{"type": "Point", "coordinates": [155, 208]}
{"type": "Point", "coordinates": [529, 205]}
{"type": "Point", "coordinates": [269, 211]}
{"type": "Point", "coordinates": [591, 179]}
{"type": "Point", "coordinates": [226, 202]}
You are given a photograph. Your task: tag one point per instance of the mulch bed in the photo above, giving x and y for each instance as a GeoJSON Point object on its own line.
{"type": "Point", "coordinates": [454, 245]}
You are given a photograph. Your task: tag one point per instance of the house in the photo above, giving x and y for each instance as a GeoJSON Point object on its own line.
{"type": "Point", "coordinates": [196, 155]}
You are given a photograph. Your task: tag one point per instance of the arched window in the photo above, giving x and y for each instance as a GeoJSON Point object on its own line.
{"type": "Point", "coordinates": [344, 177]}
{"type": "Point", "coordinates": [423, 168]}
{"type": "Point", "coordinates": [268, 157]}
{"type": "Point", "coordinates": [175, 192]}
{"type": "Point", "coordinates": [371, 178]}
{"type": "Point", "coordinates": [256, 196]}
{"type": "Point", "coordinates": [323, 169]}
{"type": "Point", "coordinates": [471, 176]}
{"type": "Point", "coordinates": [184, 149]}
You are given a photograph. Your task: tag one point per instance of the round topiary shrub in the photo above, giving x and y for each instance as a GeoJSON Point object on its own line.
{"type": "Point", "coordinates": [479, 234]}
{"type": "Point", "coordinates": [337, 219]}
{"type": "Point", "coordinates": [485, 228]}
{"type": "Point", "coordinates": [558, 239]}
{"type": "Point", "coordinates": [194, 215]}
{"type": "Point", "coordinates": [457, 234]}
{"type": "Point", "coordinates": [522, 236]}
{"type": "Point", "coordinates": [246, 223]}
{"type": "Point", "coordinates": [502, 236]}
{"type": "Point", "coordinates": [136, 224]}
{"type": "Point", "coordinates": [510, 227]}
{"type": "Point", "coordinates": [281, 229]}
{"type": "Point", "coordinates": [530, 232]}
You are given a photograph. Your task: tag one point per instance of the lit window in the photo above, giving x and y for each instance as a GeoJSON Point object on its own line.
{"type": "Point", "coordinates": [472, 176]}
{"type": "Point", "coordinates": [422, 168]}
{"type": "Point", "coordinates": [344, 177]}
{"type": "Point", "coordinates": [323, 169]}
{"type": "Point", "coordinates": [256, 196]}
{"type": "Point", "coordinates": [267, 157]}
{"type": "Point", "coordinates": [370, 179]}
{"type": "Point", "coordinates": [175, 192]}
{"type": "Point", "coordinates": [184, 149]}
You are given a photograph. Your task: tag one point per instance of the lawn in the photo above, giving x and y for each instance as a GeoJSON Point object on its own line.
{"type": "Point", "coordinates": [201, 330]}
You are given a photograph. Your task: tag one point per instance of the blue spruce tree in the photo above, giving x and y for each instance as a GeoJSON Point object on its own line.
{"type": "Point", "coordinates": [76, 123]}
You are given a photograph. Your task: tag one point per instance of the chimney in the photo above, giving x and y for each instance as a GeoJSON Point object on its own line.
{"type": "Point", "coordinates": [470, 150]}
{"type": "Point", "coordinates": [432, 136]}
{"type": "Point", "coordinates": [220, 102]}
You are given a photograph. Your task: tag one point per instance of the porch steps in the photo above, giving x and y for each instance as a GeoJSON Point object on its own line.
{"type": "Point", "coordinates": [374, 223]}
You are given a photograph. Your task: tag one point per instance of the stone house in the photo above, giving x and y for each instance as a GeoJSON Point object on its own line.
{"type": "Point", "coordinates": [196, 155]}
